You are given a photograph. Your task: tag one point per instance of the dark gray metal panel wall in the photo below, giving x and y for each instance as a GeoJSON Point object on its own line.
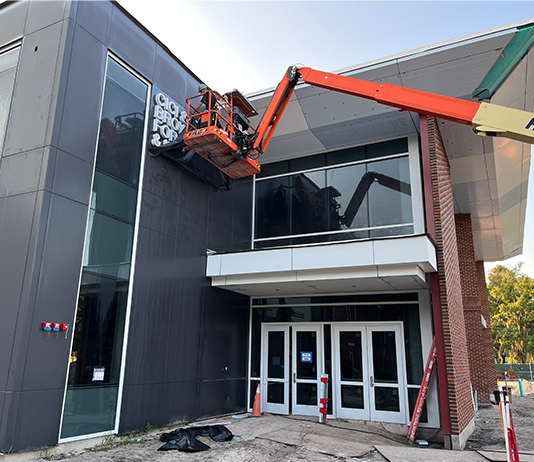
{"type": "Point", "coordinates": [44, 191]}
{"type": "Point", "coordinates": [188, 342]}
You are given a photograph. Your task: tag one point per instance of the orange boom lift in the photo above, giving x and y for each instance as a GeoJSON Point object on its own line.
{"type": "Point", "coordinates": [223, 135]}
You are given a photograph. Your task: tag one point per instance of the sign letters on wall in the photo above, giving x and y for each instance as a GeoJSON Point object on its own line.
{"type": "Point", "coordinates": [168, 120]}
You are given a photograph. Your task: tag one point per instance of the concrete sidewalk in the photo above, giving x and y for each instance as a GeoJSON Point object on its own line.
{"type": "Point", "coordinates": [269, 438]}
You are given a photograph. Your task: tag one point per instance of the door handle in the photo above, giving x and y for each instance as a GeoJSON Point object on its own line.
{"type": "Point", "coordinates": [372, 381]}
{"type": "Point", "coordinates": [294, 377]}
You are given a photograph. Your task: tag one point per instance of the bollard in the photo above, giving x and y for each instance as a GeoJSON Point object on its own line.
{"type": "Point", "coordinates": [521, 386]}
{"type": "Point", "coordinates": [323, 398]}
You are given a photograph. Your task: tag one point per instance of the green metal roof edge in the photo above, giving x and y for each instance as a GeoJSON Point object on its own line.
{"type": "Point", "coordinates": [516, 49]}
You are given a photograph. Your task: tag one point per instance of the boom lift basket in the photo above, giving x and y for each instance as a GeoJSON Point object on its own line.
{"type": "Point", "coordinates": [214, 131]}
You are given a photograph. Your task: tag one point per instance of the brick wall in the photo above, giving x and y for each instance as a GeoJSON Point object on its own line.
{"type": "Point", "coordinates": [474, 292]}
{"type": "Point", "coordinates": [456, 353]}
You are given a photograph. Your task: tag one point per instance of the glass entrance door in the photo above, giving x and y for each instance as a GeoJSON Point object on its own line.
{"type": "Point", "coordinates": [387, 400]}
{"type": "Point", "coordinates": [351, 372]}
{"type": "Point", "coordinates": [368, 376]}
{"type": "Point", "coordinates": [275, 370]}
{"type": "Point", "coordinates": [307, 369]}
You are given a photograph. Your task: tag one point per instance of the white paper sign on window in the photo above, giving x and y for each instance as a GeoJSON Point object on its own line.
{"type": "Point", "coordinates": [98, 374]}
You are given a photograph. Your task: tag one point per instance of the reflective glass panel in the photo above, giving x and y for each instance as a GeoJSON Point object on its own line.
{"type": "Point", "coordinates": [348, 188]}
{"type": "Point", "coordinates": [7, 79]}
{"type": "Point", "coordinates": [114, 197]}
{"type": "Point", "coordinates": [275, 367]}
{"type": "Point", "coordinates": [121, 129]}
{"type": "Point", "coordinates": [352, 397]}
{"type": "Point", "coordinates": [384, 357]}
{"type": "Point", "coordinates": [307, 394]}
{"type": "Point", "coordinates": [272, 207]}
{"type": "Point", "coordinates": [308, 203]}
{"type": "Point", "coordinates": [275, 392]}
{"type": "Point", "coordinates": [387, 399]}
{"type": "Point", "coordinates": [89, 410]}
{"type": "Point", "coordinates": [108, 247]}
{"type": "Point", "coordinates": [350, 354]}
{"type": "Point", "coordinates": [306, 348]}
{"type": "Point", "coordinates": [390, 200]}
{"type": "Point", "coordinates": [98, 332]}
{"type": "Point", "coordinates": [9, 59]}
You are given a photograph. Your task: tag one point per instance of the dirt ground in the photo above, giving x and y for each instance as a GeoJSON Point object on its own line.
{"type": "Point", "coordinates": [488, 434]}
{"type": "Point", "coordinates": [277, 438]}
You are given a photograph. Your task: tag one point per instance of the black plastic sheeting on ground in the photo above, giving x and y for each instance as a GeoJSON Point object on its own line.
{"type": "Point", "coordinates": [184, 439]}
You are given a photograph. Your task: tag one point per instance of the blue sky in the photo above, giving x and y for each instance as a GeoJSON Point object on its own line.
{"type": "Point", "coordinates": [249, 44]}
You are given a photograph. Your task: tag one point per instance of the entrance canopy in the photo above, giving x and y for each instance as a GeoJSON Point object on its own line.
{"type": "Point", "coordinates": [375, 265]}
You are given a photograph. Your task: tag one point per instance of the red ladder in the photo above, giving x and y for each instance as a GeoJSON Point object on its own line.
{"type": "Point", "coordinates": [422, 392]}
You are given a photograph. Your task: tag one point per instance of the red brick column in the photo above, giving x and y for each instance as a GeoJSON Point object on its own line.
{"type": "Point", "coordinates": [452, 313]}
{"type": "Point", "coordinates": [474, 293]}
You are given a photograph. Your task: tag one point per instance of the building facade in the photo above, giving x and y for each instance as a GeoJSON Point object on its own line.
{"type": "Point", "coordinates": [149, 289]}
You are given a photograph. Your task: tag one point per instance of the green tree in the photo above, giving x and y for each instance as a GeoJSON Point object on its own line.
{"type": "Point", "coordinates": [511, 300]}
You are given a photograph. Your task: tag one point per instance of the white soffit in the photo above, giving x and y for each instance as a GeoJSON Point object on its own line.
{"type": "Point", "coordinates": [497, 203]}
{"type": "Point", "coordinates": [378, 265]}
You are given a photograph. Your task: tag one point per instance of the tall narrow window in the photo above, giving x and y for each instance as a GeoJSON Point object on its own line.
{"type": "Point", "coordinates": [93, 382]}
{"type": "Point", "coordinates": [8, 66]}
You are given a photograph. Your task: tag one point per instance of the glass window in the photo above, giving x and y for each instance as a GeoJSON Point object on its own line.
{"type": "Point", "coordinates": [97, 345]}
{"type": "Point", "coordinates": [272, 207]}
{"type": "Point", "coordinates": [8, 63]}
{"type": "Point", "coordinates": [92, 390]}
{"type": "Point", "coordinates": [9, 59]}
{"type": "Point", "coordinates": [108, 247]}
{"type": "Point", "coordinates": [114, 197]}
{"type": "Point", "coordinates": [308, 203]}
{"type": "Point", "coordinates": [390, 200]}
{"type": "Point", "coordinates": [7, 80]}
{"type": "Point", "coordinates": [121, 128]}
{"type": "Point", "coordinates": [348, 188]}
{"type": "Point", "coordinates": [359, 201]}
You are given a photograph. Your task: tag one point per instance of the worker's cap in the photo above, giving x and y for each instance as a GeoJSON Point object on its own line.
{"type": "Point", "coordinates": [202, 87]}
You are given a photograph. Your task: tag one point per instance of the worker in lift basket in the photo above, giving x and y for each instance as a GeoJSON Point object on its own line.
{"type": "Point", "coordinates": [202, 121]}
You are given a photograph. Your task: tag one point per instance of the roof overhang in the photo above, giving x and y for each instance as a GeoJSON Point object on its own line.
{"type": "Point", "coordinates": [489, 176]}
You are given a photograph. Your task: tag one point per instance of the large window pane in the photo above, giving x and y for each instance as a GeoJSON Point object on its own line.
{"type": "Point", "coordinates": [7, 78]}
{"type": "Point", "coordinates": [121, 129]}
{"type": "Point", "coordinates": [308, 203]}
{"type": "Point", "coordinates": [108, 247]}
{"type": "Point", "coordinates": [89, 410]}
{"type": "Point", "coordinates": [348, 190]}
{"type": "Point", "coordinates": [366, 200]}
{"type": "Point", "coordinates": [98, 332]}
{"type": "Point", "coordinates": [114, 197]}
{"type": "Point", "coordinates": [272, 207]}
{"type": "Point", "coordinates": [390, 200]}
{"type": "Point", "coordinates": [9, 59]}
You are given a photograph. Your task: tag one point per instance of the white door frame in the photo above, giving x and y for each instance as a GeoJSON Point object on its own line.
{"type": "Point", "coordinates": [388, 416]}
{"type": "Point", "coordinates": [301, 409]}
{"type": "Point", "coordinates": [369, 412]}
{"type": "Point", "coordinates": [336, 382]}
{"type": "Point", "coordinates": [275, 408]}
